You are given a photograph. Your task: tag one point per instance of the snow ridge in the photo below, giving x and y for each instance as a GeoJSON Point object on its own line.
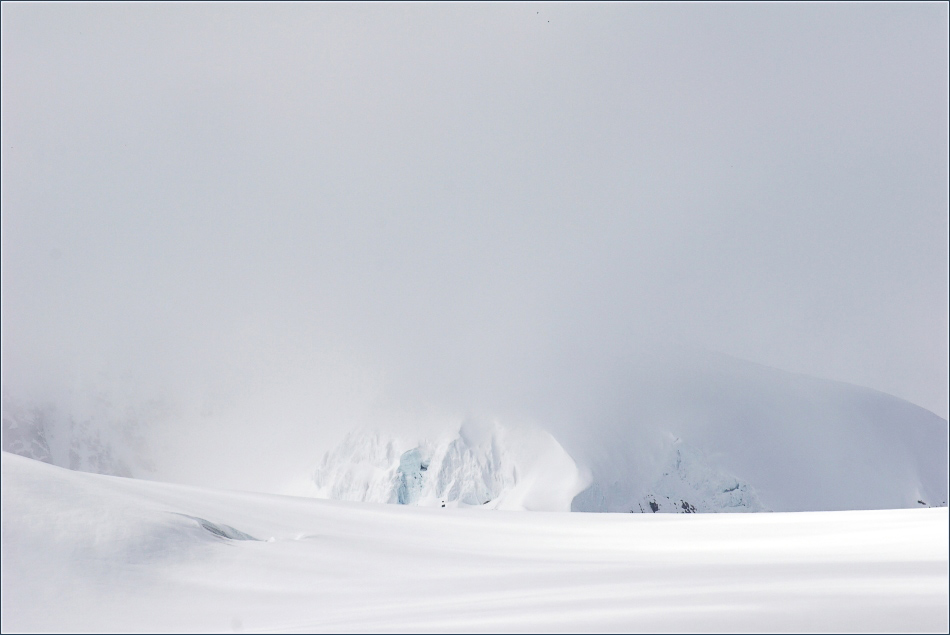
{"type": "Point", "coordinates": [688, 483]}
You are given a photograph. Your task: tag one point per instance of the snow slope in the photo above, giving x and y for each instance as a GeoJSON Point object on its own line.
{"type": "Point", "coordinates": [85, 552]}
{"type": "Point", "coordinates": [800, 443]}
{"type": "Point", "coordinates": [668, 432]}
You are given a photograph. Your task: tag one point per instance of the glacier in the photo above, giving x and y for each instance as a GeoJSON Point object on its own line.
{"type": "Point", "coordinates": [666, 431]}
{"type": "Point", "coordinates": [683, 433]}
{"type": "Point", "coordinates": [484, 470]}
{"type": "Point", "coordinates": [485, 464]}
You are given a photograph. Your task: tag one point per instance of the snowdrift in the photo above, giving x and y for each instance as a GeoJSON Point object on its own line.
{"type": "Point", "coordinates": [91, 553]}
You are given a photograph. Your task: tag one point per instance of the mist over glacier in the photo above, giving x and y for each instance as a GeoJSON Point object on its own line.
{"type": "Point", "coordinates": [668, 429]}
{"type": "Point", "coordinates": [231, 236]}
{"type": "Point", "coordinates": [681, 429]}
{"type": "Point", "coordinates": [495, 317]}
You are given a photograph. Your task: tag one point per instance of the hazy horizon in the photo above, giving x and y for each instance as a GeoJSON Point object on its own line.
{"type": "Point", "coordinates": [293, 215]}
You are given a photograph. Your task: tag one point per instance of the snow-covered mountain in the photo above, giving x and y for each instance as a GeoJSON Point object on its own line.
{"type": "Point", "coordinates": [668, 431]}
{"type": "Point", "coordinates": [512, 468]}
{"type": "Point", "coordinates": [687, 483]}
{"type": "Point", "coordinates": [689, 433]}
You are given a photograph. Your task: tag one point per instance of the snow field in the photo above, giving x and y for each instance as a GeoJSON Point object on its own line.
{"type": "Point", "coordinates": [89, 552]}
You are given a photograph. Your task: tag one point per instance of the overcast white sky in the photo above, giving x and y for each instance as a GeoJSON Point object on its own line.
{"type": "Point", "coordinates": [288, 205]}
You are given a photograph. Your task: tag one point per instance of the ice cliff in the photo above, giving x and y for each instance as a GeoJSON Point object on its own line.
{"type": "Point", "coordinates": [512, 469]}
{"type": "Point", "coordinates": [484, 464]}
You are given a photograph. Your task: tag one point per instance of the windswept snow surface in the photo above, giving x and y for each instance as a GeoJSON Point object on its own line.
{"type": "Point", "coordinates": [85, 552]}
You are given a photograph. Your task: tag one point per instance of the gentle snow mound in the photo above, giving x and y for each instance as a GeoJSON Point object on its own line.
{"type": "Point", "coordinates": [91, 553]}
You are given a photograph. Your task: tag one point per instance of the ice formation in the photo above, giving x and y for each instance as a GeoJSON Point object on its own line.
{"type": "Point", "coordinates": [485, 464]}
{"type": "Point", "coordinates": [484, 471]}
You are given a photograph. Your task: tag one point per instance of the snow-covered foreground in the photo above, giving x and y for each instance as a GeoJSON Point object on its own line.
{"type": "Point", "coordinates": [89, 552]}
